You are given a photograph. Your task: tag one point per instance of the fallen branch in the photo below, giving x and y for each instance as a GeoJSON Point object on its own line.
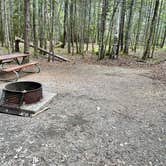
{"type": "Point", "coordinates": [58, 57]}
{"type": "Point", "coordinates": [37, 113]}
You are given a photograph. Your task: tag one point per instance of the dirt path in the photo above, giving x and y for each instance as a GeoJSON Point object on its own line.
{"type": "Point", "coordinates": [102, 116]}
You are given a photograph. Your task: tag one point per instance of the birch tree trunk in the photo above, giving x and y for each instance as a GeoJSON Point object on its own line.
{"type": "Point", "coordinates": [115, 48]}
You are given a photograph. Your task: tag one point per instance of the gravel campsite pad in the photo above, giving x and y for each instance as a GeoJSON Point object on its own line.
{"type": "Point", "coordinates": [102, 116]}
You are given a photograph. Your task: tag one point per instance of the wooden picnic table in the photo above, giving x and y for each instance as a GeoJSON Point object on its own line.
{"type": "Point", "coordinates": [20, 64]}
{"type": "Point", "coordinates": [15, 56]}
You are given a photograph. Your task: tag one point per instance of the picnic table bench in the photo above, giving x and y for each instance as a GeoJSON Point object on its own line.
{"type": "Point", "coordinates": [21, 64]}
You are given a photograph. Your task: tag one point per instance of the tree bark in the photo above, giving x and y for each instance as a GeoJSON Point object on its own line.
{"type": "Point", "coordinates": [128, 28]}
{"type": "Point", "coordinates": [156, 31]}
{"type": "Point", "coordinates": [65, 23]}
{"type": "Point", "coordinates": [122, 21]}
{"type": "Point", "coordinates": [102, 29]}
{"type": "Point", "coordinates": [26, 25]}
{"type": "Point", "coordinates": [138, 27]}
{"type": "Point", "coordinates": [146, 53]}
{"type": "Point", "coordinates": [164, 38]}
{"type": "Point", "coordinates": [35, 39]}
{"type": "Point", "coordinates": [118, 30]}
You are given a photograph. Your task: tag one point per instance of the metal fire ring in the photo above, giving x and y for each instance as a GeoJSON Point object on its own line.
{"type": "Point", "coordinates": [19, 93]}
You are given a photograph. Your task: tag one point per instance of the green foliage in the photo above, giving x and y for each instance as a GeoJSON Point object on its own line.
{"type": "Point", "coordinates": [83, 23]}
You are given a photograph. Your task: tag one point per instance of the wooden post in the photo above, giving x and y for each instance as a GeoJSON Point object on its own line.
{"type": "Point", "coordinates": [17, 48]}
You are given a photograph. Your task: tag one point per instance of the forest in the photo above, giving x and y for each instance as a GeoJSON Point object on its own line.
{"type": "Point", "coordinates": [82, 82]}
{"type": "Point", "coordinates": [106, 28]}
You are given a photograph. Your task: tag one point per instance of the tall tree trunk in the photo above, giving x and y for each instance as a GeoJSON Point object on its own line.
{"type": "Point", "coordinates": [117, 31]}
{"type": "Point", "coordinates": [150, 7]}
{"type": "Point", "coordinates": [72, 25]}
{"type": "Point", "coordinates": [1, 24]}
{"type": "Point", "coordinates": [65, 23]}
{"type": "Point", "coordinates": [35, 39]}
{"type": "Point", "coordinates": [163, 40]}
{"type": "Point", "coordinates": [128, 28]}
{"type": "Point", "coordinates": [102, 29]}
{"type": "Point", "coordinates": [51, 33]}
{"type": "Point", "coordinates": [19, 19]}
{"type": "Point", "coordinates": [26, 25]}
{"type": "Point", "coordinates": [6, 27]}
{"type": "Point", "coordinates": [88, 28]}
{"type": "Point", "coordinates": [45, 24]}
{"type": "Point", "coordinates": [122, 21]}
{"type": "Point", "coordinates": [138, 27]}
{"type": "Point", "coordinates": [98, 21]}
{"type": "Point", "coordinates": [156, 31]}
{"type": "Point", "coordinates": [11, 28]}
{"type": "Point", "coordinates": [146, 53]}
{"type": "Point", "coordinates": [115, 7]}
{"type": "Point", "coordinates": [41, 24]}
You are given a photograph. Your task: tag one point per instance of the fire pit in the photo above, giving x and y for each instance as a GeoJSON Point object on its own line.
{"type": "Point", "coordinates": [21, 93]}
{"type": "Point", "coordinates": [26, 99]}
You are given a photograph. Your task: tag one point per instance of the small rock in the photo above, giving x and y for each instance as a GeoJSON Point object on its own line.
{"type": "Point", "coordinates": [35, 160]}
{"type": "Point", "coordinates": [1, 139]}
{"type": "Point", "coordinates": [121, 145]}
{"type": "Point", "coordinates": [121, 161]}
{"type": "Point", "coordinates": [150, 163]}
{"type": "Point", "coordinates": [31, 141]}
{"type": "Point", "coordinates": [16, 156]}
{"type": "Point", "coordinates": [19, 149]}
{"type": "Point", "coordinates": [98, 108]}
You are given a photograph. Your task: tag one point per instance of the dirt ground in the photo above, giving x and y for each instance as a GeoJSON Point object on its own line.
{"type": "Point", "coordinates": [102, 116]}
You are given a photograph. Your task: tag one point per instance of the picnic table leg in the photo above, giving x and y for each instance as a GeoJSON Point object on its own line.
{"type": "Point", "coordinates": [17, 61]}
{"type": "Point", "coordinates": [37, 71]}
{"type": "Point", "coordinates": [38, 68]}
{"type": "Point", "coordinates": [17, 75]}
{"type": "Point", "coordinates": [14, 79]}
{"type": "Point", "coordinates": [1, 64]}
{"type": "Point", "coordinates": [22, 61]}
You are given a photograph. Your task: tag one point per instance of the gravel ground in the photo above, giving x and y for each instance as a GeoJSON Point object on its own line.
{"type": "Point", "coordinates": [102, 116]}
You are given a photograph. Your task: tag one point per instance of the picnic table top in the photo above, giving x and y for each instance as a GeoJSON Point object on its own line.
{"type": "Point", "coordinates": [12, 56]}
